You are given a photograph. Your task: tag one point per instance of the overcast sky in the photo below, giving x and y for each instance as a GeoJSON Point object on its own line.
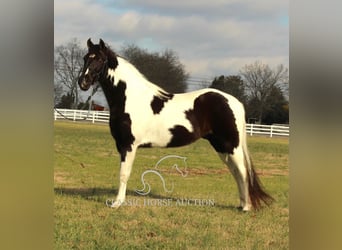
{"type": "Point", "coordinates": [211, 38]}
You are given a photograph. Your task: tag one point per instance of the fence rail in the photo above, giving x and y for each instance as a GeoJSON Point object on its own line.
{"type": "Point", "coordinates": [82, 115]}
{"type": "Point", "coordinates": [103, 117]}
{"type": "Point", "coordinates": [270, 130]}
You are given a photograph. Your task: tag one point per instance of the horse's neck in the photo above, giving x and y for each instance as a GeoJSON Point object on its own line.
{"type": "Point", "coordinates": [136, 82]}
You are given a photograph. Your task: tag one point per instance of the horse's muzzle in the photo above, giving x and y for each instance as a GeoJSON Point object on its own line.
{"type": "Point", "coordinates": [83, 84]}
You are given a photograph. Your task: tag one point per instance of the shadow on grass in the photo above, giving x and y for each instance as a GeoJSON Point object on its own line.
{"type": "Point", "coordinates": [102, 194]}
{"type": "Point", "coordinates": [84, 192]}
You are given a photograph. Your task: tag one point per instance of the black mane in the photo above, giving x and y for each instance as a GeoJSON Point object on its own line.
{"type": "Point", "coordinates": [111, 57]}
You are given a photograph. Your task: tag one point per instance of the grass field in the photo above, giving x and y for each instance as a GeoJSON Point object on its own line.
{"type": "Point", "coordinates": [86, 170]}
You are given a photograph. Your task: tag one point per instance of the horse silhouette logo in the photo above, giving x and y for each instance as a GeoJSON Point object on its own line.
{"type": "Point", "coordinates": [147, 188]}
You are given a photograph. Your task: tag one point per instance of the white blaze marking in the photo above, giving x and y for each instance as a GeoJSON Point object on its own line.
{"type": "Point", "coordinates": [87, 71]}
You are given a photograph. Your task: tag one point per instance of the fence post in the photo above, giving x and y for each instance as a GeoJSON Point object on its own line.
{"type": "Point", "coordinates": [94, 116]}
{"type": "Point", "coordinates": [74, 115]}
{"type": "Point", "coordinates": [251, 128]}
{"type": "Point", "coordinates": [271, 133]}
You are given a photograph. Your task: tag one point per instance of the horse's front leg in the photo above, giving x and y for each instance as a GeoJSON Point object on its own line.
{"type": "Point", "coordinates": [125, 171]}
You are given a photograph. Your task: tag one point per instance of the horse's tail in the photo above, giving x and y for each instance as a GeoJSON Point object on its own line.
{"type": "Point", "coordinates": [256, 191]}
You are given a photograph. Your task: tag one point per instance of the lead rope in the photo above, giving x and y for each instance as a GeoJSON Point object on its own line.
{"type": "Point", "coordinates": [87, 102]}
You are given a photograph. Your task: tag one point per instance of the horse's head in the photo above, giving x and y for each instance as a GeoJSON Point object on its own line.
{"type": "Point", "coordinates": [95, 63]}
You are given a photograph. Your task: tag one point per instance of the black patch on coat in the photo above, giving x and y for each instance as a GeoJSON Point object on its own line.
{"type": "Point", "coordinates": [212, 119]}
{"type": "Point", "coordinates": [181, 136]}
{"type": "Point", "coordinates": [119, 122]}
{"type": "Point", "coordinates": [157, 104]}
{"type": "Point", "coordinates": [146, 145]}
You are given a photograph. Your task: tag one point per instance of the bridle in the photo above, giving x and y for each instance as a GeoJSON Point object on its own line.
{"type": "Point", "coordinates": [102, 71]}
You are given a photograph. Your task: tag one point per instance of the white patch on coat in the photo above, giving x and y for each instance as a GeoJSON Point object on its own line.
{"type": "Point", "coordinates": [155, 128]}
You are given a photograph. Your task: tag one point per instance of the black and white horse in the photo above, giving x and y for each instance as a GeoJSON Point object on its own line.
{"type": "Point", "coordinates": [142, 114]}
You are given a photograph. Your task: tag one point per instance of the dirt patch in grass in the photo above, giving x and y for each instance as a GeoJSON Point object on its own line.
{"type": "Point", "coordinates": [273, 172]}
{"type": "Point", "coordinates": [210, 171]}
{"type": "Point", "coordinates": [60, 178]}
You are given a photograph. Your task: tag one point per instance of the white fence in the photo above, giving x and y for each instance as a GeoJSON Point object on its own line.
{"type": "Point", "coordinates": [270, 130]}
{"type": "Point", "coordinates": [82, 115]}
{"type": "Point", "coordinates": [103, 116]}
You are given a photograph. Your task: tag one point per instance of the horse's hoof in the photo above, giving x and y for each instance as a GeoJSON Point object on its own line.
{"type": "Point", "coordinates": [244, 209]}
{"type": "Point", "coordinates": [113, 204]}
{"type": "Point", "coordinates": [116, 204]}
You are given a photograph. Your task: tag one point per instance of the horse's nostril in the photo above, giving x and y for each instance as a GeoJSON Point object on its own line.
{"type": "Point", "coordinates": [84, 85]}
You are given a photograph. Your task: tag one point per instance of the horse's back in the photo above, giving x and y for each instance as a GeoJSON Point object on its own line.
{"type": "Point", "coordinates": [233, 103]}
{"type": "Point", "coordinates": [190, 116]}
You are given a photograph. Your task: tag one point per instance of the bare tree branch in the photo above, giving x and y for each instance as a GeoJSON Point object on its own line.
{"type": "Point", "coordinates": [260, 79]}
{"type": "Point", "coordinates": [68, 67]}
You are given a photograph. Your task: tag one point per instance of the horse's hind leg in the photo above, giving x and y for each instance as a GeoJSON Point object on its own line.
{"type": "Point", "coordinates": [236, 165]}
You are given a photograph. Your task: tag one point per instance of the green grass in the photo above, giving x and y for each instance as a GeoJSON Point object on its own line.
{"type": "Point", "coordinates": [86, 175]}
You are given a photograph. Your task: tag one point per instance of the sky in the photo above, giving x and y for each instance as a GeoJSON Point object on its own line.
{"type": "Point", "coordinates": [211, 38]}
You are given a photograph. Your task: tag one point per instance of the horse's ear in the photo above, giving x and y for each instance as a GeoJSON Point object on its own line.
{"type": "Point", "coordinates": [102, 44]}
{"type": "Point", "coordinates": [89, 43]}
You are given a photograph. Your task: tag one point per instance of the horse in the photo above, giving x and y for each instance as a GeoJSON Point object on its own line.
{"type": "Point", "coordinates": [145, 115]}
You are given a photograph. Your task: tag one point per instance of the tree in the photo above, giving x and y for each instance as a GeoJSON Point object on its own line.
{"type": "Point", "coordinates": [66, 101]}
{"type": "Point", "coordinates": [232, 85]}
{"type": "Point", "coordinates": [277, 108]}
{"type": "Point", "coordinates": [259, 80]}
{"type": "Point", "coordinates": [163, 69]}
{"type": "Point", "coordinates": [68, 67]}
{"type": "Point", "coordinates": [58, 92]}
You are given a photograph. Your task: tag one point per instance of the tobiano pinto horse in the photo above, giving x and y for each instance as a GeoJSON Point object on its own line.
{"type": "Point", "coordinates": [144, 115]}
